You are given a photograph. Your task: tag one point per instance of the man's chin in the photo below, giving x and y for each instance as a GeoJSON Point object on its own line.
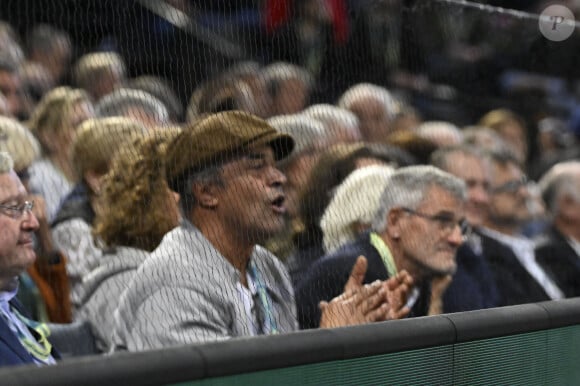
{"type": "Point", "coordinates": [29, 257]}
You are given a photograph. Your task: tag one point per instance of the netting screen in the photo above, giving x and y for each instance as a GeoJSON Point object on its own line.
{"type": "Point", "coordinates": [188, 171]}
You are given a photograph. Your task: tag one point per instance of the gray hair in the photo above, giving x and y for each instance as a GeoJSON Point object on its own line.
{"type": "Point", "coordinates": [308, 133]}
{"type": "Point", "coordinates": [209, 175]}
{"type": "Point", "coordinates": [279, 72]}
{"type": "Point", "coordinates": [120, 101]}
{"type": "Point", "coordinates": [440, 157]}
{"type": "Point", "coordinates": [407, 187]}
{"type": "Point", "coordinates": [440, 132]}
{"type": "Point", "coordinates": [561, 179]}
{"type": "Point", "coordinates": [483, 137]}
{"type": "Point", "coordinates": [6, 163]}
{"type": "Point", "coordinates": [368, 90]}
{"type": "Point", "coordinates": [331, 116]}
{"type": "Point", "coordinates": [160, 89]}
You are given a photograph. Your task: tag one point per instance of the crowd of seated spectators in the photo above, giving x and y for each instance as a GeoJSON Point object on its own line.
{"type": "Point", "coordinates": [253, 210]}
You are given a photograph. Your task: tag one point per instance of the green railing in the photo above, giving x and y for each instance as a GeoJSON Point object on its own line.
{"type": "Point", "coordinates": [533, 344]}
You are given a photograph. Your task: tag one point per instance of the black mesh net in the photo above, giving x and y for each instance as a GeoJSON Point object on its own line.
{"type": "Point", "coordinates": [152, 137]}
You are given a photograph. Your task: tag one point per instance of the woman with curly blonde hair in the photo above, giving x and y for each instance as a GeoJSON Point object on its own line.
{"type": "Point", "coordinates": [135, 210]}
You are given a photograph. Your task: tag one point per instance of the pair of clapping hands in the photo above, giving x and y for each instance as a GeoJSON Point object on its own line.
{"type": "Point", "coordinates": [374, 302]}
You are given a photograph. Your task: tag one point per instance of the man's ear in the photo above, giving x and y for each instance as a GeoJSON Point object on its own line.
{"type": "Point", "coordinates": [205, 194]}
{"type": "Point", "coordinates": [394, 218]}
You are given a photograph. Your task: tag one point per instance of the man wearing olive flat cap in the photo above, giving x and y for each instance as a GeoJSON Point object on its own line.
{"type": "Point", "coordinates": [209, 279]}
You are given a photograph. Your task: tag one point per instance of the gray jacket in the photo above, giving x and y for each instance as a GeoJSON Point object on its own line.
{"type": "Point", "coordinates": [100, 290]}
{"type": "Point", "coordinates": [187, 292]}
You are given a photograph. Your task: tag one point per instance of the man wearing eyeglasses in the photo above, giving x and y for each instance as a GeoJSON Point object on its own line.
{"type": "Point", "coordinates": [21, 340]}
{"type": "Point", "coordinates": [519, 277]}
{"type": "Point", "coordinates": [558, 248]}
{"type": "Point", "coordinates": [473, 286]}
{"type": "Point", "coordinates": [418, 228]}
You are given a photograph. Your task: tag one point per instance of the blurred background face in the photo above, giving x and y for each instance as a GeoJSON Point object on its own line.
{"type": "Point", "coordinates": [473, 171]}
{"type": "Point", "coordinates": [509, 195]}
{"type": "Point", "coordinates": [291, 98]}
{"type": "Point", "coordinates": [11, 88]}
{"type": "Point", "coordinates": [373, 120]}
{"type": "Point", "coordinates": [297, 174]}
{"type": "Point", "coordinates": [515, 135]}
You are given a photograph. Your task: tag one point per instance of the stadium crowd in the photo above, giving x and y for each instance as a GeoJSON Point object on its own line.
{"type": "Point", "coordinates": [253, 211]}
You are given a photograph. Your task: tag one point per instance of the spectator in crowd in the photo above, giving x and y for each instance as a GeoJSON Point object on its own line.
{"type": "Point", "coordinates": [419, 147]}
{"type": "Point", "coordinates": [251, 74]}
{"type": "Point", "coordinates": [558, 249]}
{"type": "Point", "coordinates": [310, 139]}
{"type": "Point", "coordinates": [511, 128]}
{"type": "Point", "coordinates": [556, 143]}
{"type": "Point", "coordinates": [135, 104]}
{"type": "Point", "coordinates": [288, 87]}
{"type": "Point", "coordinates": [22, 341]}
{"type": "Point", "coordinates": [209, 280]}
{"type": "Point", "coordinates": [221, 94]}
{"type": "Point", "coordinates": [11, 87]}
{"type": "Point", "coordinates": [440, 132]}
{"type": "Point", "coordinates": [375, 108]}
{"type": "Point", "coordinates": [160, 89]}
{"type": "Point", "coordinates": [47, 295]}
{"type": "Point", "coordinates": [353, 206]}
{"type": "Point", "coordinates": [340, 124]}
{"type": "Point", "coordinates": [519, 277]}
{"type": "Point", "coordinates": [51, 48]}
{"type": "Point", "coordinates": [36, 82]}
{"type": "Point", "coordinates": [10, 49]}
{"type": "Point", "coordinates": [96, 142]}
{"type": "Point", "coordinates": [484, 138]}
{"type": "Point", "coordinates": [418, 227]}
{"type": "Point", "coordinates": [99, 73]}
{"type": "Point", "coordinates": [473, 286]}
{"type": "Point", "coordinates": [55, 122]}
{"type": "Point", "coordinates": [407, 119]}
{"type": "Point", "coordinates": [136, 210]}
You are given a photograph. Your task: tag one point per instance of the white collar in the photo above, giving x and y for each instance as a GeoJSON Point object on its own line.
{"type": "Point", "coordinates": [514, 241]}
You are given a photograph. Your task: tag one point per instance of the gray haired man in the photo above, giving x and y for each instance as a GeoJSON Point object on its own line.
{"type": "Point", "coordinates": [418, 228]}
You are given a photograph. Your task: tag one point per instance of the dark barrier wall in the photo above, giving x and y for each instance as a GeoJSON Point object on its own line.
{"type": "Point", "coordinates": [528, 344]}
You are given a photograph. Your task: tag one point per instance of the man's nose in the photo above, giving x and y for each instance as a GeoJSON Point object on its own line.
{"type": "Point", "coordinates": [479, 195]}
{"type": "Point", "coordinates": [455, 237]}
{"type": "Point", "coordinates": [30, 222]}
{"type": "Point", "coordinates": [277, 178]}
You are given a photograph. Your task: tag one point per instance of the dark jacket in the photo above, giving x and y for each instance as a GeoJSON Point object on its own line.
{"type": "Point", "coordinates": [327, 276]}
{"type": "Point", "coordinates": [12, 352]}
{"type": "Point", "coordinates": [473, 286]}
{"type": "Point", "coordinates": [559, 261]}
{"type": "Point", "coordinates": [515, 284]}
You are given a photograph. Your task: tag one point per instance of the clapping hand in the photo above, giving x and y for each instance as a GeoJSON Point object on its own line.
{"type": "Point", "coordinates": [358, 304]}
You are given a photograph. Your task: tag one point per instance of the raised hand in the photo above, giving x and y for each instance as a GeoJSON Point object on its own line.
{"type": "Point", "coordinates": [439, 285]}
{"type": "Point", "coordinates": [358, 304]}
{"type": "Point", "coordinates": [364, 304]}
{"type": "Point", "coordinates": [397, 290]}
